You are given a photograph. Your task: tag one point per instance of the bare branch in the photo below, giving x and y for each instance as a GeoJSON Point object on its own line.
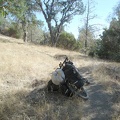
{"type": "Point", "coordinates": [59, 12]}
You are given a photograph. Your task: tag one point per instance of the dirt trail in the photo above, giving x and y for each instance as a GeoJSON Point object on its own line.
{"type": "Point", "coordinates": [100, 103]}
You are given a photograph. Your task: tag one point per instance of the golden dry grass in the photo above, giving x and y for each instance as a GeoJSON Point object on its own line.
{"type": "Point", "coordinates": [24, 68]}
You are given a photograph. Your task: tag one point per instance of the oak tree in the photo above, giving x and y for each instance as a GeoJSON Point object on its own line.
{"type": "Point", "coordinates": [57, 13]}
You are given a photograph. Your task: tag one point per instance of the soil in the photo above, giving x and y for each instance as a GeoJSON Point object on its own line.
{"type": "Point", "coordinates": [99, 106]}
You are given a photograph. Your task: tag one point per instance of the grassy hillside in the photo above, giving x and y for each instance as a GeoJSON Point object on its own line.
{"type": "Point", "coordinates": [25, 70]}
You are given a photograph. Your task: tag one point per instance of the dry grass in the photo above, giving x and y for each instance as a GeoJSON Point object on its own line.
{"type": "Point", "coordinates": [108, 75]}
{"type": "Point", "coordinates": [24, 68]}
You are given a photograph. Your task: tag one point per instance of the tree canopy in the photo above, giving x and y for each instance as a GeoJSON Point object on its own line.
{"type": "Point", "coordinates": [22, 11]}
{"type": "Point", "coordinates": [59, 12]}
{"type": "Point", "coordinates": [109, 46]}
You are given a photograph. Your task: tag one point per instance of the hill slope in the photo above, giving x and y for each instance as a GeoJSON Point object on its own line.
{"type": "Point", "coordinates": [25, 70]}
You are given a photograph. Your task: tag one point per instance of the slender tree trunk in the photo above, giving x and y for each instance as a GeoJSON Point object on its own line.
{"type": "Point", "coordinates": [25, 30]}
{"type": "Point", "coordinates": [87, 23]}
{"type": "Point", "coordinates": [86, 38]}
{"type": "Point", "coordinates": [57, 38]}
{"type": "Point", "coordinates": [52, 36]}
{"type": "Point", "coordinates": [31, 35]}
{"type": "Point", "coordinates": [25, 36]}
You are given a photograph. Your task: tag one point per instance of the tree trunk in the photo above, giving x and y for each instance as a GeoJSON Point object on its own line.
{"type": "Point", "coordinates": [57, 38]}
{"type": "Point", "coordinates": [87, 23]}
{"type": "Point", "coordinates": [25, 36]}
{"type": "Point", "coordinates": [52, 36]}
{"type": "Point", "coordinates": [31, 35]}
{"type": "Point", "coordinates": [25, 28]}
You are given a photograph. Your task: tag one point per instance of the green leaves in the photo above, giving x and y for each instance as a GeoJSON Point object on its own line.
{"type": "Point", "coordinates": [59, 12]}
{"type": "Point", "coordinates": [3, 12]}
{"type": "Point", "coordinates": [67, 41]}
{"type": "Point", "coordinates": [110, 43]}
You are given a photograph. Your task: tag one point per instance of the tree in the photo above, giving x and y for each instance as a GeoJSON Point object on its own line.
{"type": "Point", "coordinates": [117, 11]}
{"type": "Point", "coordinates": [108, 46]}
{"type": "Point", "coordinates": [67, 41]}
{"type": "Point", "coordinates": [110, 42]}
{"type": "Point", "coordinates": [3, 8]}
{"type": "Point", "coordinates": [35, 33]}
{"type": "Point", "coordinates": [22, 11]}
{"type": "Point", "coordinates": [57, 13]}
{"type": "Point", "coordinates": [90, 8]}
{"type": "Point", "coordinates": [90, 39]}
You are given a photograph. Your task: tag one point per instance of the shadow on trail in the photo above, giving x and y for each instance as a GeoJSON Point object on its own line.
{"type": "Point", "coordinates": [53, 105]}
{"type": "Point", "coordinates": [100, 103]}
{"type": "Point", "coordinates": [99, 106]}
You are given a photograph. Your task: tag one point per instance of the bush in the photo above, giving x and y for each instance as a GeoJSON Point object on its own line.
{"type": "Point", "coordinates": [117, 57]}
{"type": "Point", "coordinates": [67, 41]}
{"type": "Point", "coordinates": [13, 32]}
{"type": "Point", "coordinates": [104, 50]}
{"type": "Point", "coordinates": [114, 56]}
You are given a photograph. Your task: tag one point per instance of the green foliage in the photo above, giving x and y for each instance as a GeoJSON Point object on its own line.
{"type": "Point", "coordinates": [92, 51]}
{"type": "Point", "coordinates": [109, 45]}
{"type": "Point", "coordinates": [35, 34]}
{"type": "Point", "coordinates": [59, 12]}
{"type": "Point", "coordinates": [67, 41]}
{"type": "Point", "coordinates": [21, 12]}
{"type": "Point", "coordinates": [4, 25]}
{"type": "Point", "coordinates": [5, 7]}
{"type": "Point", "coordinates": [3, 12]}
{"type": "Point", "coordinates": [14, 31]}
{"type": "Point", "coordinates": [2, 9]}
{"type": "Point", "coordinates": [10, 28]}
